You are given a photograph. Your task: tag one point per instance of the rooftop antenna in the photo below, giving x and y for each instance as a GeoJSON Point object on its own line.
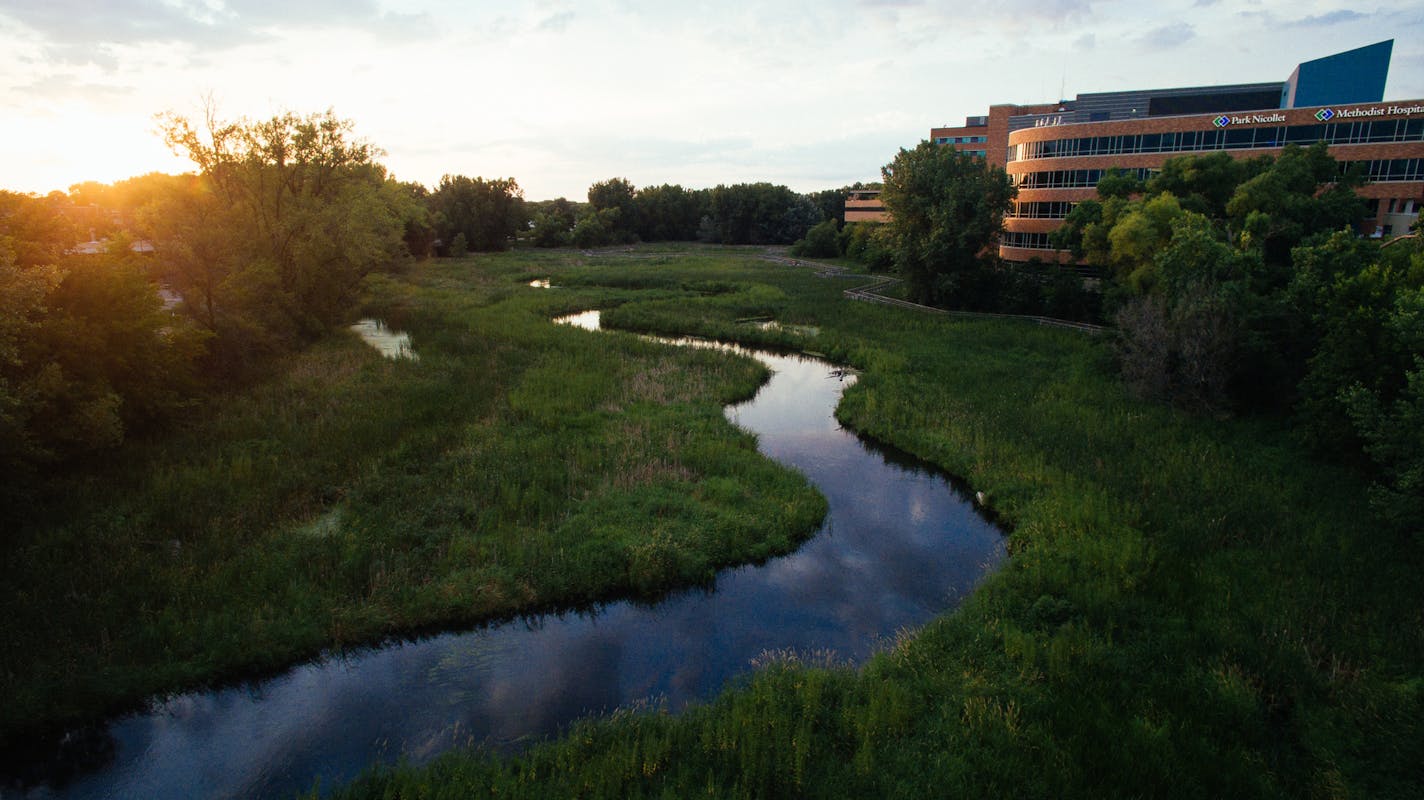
{"type": "Point", "coordinates": [1063, 81]}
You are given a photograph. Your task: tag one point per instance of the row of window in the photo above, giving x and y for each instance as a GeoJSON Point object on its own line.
{"type": "Point", "coordinates": [1060, 209]}
{"type": "Point", "coordinates": [1070, 178]}
{"type": "Point", "coordinates": [961, 139]}
{"type": "Point", "coordinates": [1041, 209]}
{"type": "Point", "coordinates": [1376, 132]}
{"type": "Point", "coordinates": [1382, 170]}
{"type": "Point", "coordinates": [1030, 241]}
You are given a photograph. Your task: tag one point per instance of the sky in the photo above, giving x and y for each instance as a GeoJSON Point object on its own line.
{"type": "Point", "coordinates": [558, 95]}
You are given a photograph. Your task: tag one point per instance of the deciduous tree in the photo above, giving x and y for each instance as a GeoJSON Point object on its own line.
{"type": "Point", "coordinates": [946, 209]}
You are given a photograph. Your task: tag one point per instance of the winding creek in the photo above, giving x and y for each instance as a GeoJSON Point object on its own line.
{"type": "Point", "coordinates": [899, 545]}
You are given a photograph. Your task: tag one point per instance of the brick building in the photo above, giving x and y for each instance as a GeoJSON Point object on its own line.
{"type": "Point", "coordinates": [1056, 152]}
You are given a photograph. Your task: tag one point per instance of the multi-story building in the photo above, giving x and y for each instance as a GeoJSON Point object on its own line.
{"type": "Point", "coordinates": [863, 205]}
{"type": "Point", "coordinates": [1056, 152]}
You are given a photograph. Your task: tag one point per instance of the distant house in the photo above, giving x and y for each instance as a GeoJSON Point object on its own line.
{"type": "Point", "coordinates": [95, 247]}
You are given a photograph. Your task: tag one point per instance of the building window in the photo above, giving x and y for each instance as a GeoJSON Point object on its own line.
{"type": "Point", "coordinates": [1386, 170]}
{"type": "Point", "coordinates": [1070, 178]}
{"type": "Point", "coordinates": [1040, 209]}
{"type": "Point", "coordinates": [1376, 132]}
{"type": "Point", "coordinates": [1029, 241]}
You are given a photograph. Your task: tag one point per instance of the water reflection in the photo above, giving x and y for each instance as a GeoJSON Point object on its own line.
{"type": "Point", "coordinates": [391, 343]}
{"type": "Point", "coordinates": [800, 330]}
{"type": "Point", "coordinates": [898, 546]}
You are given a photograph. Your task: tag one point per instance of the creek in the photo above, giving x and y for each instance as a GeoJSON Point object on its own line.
{"type": "Point", "coordinates": [899, 545]}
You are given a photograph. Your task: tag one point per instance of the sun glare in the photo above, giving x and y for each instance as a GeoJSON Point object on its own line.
{"type": "Point", "coordinates": [52, 153]}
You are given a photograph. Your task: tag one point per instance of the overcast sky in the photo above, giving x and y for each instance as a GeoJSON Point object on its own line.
{"type": "Point", "coordinates": [559, 95]}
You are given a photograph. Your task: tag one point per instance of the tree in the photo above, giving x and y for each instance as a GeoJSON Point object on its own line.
{"type": "Point", "coordinates": [760, 213]}
{"type": "Point", "coordinates": [87, 351]}
{"type": "Point", "coordinates": [669, 213]}
{"type": "Point", "coordinates": [490, 213]}
{"type": "Point", "coordinates": [596, 228]}
{"type": "Point", "coordinates": [1204, 184]}
{"type": "Point", "coordinates": [865, 242]}
{"type": "Point", "coordinates": [304, 206]}
{"type": "Point", "coordinates": [1138, 236]}
{"type": "Point", "coordinates": [420, 233]}
{"type": "Point", "coordinates": [552, 221]}
{"type": "Point", "coordinates": [1118, 182]}
{"type": "Point", "coordinates": [820, 242]}
{"type": "Point", "coordinates": [1391, 424]}
{"type": "Point", "coordinates": [616, 195]}
{"type": "Point", "coordinates": [1300, 194]}
{"type": "Point", "coordinates": [946, 209]}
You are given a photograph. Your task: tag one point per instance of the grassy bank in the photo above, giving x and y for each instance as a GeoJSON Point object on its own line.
{"type": "Point", "coordinates": [1194, 608]}
{"type": "Point", "coordinates": [516, 466]}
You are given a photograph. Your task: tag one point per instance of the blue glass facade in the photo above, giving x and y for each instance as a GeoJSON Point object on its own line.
{"type": "Point", "coordinates": [1354, 76]}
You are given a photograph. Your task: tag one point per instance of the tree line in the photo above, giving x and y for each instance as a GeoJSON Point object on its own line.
{"type": "Point", "coordinates": [1233, 286]}
{"type": "Point", "coordinates": [260, 251]}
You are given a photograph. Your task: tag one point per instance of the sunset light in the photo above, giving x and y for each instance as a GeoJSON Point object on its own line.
{"type": "Point", "coordinates": [849, 399]}
{"type": "Point", "coordinates": [562, 95]}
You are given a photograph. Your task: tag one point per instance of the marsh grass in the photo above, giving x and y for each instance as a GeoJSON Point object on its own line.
{"type": "Point", "coordinates": [517, 466]}
{"type": "Point", "coordinates": [1193, 607]}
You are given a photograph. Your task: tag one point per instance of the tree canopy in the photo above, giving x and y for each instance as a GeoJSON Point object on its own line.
{"type": "Point", "coordinates": [946, 208]}
{"type": "Point", "coordinates": [488, 213]}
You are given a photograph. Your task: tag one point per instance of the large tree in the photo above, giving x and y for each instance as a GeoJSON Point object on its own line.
{"type": "Point", "coordinates": [489, 213]}
{"type": "Point", "coordinates": [946, 209]}
{"type": "Point", "coordinates": [614, 202]}
{"type": "Point", "coordinates": [299, 210]}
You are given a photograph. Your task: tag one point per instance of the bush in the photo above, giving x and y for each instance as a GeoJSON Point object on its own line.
{"type": "Point", "coordinates": [863, 242]}
{"type": "Point", "coordinates": [1181, 350]}
{"type": "Point", "coordinates": [820, 242]}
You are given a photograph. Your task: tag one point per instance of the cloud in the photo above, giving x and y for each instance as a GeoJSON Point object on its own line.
{"type": "Point", "coordinates": [1332, 18]}
{"type": "Point", "coordinates": [67, 84]}
{"type": "Point", "coordinates": [1085, 43]}
{"type": "Point", "coordinates": [556, 23]}
{"type": "Point", "coordinates": [74, 29]}
{"type": "Point", "coordinates": [1168, 36]}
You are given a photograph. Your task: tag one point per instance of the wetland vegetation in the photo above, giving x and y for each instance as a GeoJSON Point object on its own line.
{"type": "Point", "coordinates": [1193, 606]}
{"type": "Point", "coordinates": [1197, 604]}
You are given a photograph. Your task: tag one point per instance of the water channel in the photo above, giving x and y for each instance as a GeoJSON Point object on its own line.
{"type": "Point", "coordinates": [899, 545]}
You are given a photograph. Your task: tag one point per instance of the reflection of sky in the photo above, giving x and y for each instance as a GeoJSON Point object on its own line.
{"type": "Point", "coordinates": [391, 343]}
{"type": "Point", "coordinates": [898, 546]}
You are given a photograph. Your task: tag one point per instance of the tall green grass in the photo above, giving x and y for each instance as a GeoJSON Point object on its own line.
{"type": "Point", "coordinates": [517, 466]}
{"type": "Point", "coordinates": [1193, 607]}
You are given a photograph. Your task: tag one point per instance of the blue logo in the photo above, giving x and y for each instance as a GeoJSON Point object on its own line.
{"type": "Point", "coordinates": [1221, 121]}
{"type": "Point", "coordinates": [1325, 114]}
